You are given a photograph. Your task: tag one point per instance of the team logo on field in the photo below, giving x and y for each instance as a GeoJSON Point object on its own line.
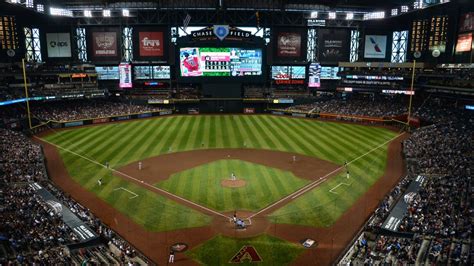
{"type": "Point", "coordinates": [246, 253]}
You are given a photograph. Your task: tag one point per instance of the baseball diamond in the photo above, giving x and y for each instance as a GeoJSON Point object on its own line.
{"type": "Point", "coordinates": [184, 159]}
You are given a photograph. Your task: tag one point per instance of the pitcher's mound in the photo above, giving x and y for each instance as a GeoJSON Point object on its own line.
{"type": "Point", "coordinates": [233, 183]}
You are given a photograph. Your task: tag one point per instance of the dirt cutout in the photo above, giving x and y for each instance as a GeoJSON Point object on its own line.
{"type": "Point", "coordinates": [229, 183]}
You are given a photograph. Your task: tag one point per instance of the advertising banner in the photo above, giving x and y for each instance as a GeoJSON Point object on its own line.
{"type": "Point", "coordinates": [151, 44]}
{"type": "Point", "coordinates": [333, 45]}
{"type": "Point", "coordinates": [314, 79]}
{"type": "Point", "coordinates": [59, 45]}
{"type": "Point", "coordinates": [464, 43]}
{"type": "Point", "coordinates": [125, 76]}
{"type": "Point", "coordinates": [467, 22]}
{"type": "Point", "coordinates": [104, 44]}
{"type": "Point", "coordinates": [289, 44]}
{"type": "Point", "coordinates": [375, 46]}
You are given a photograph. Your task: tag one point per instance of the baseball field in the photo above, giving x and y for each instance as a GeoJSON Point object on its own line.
{"type": "Point", "coordinates": [169, 180]}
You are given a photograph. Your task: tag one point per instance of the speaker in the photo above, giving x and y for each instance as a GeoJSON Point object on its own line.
{"type": "Point", "coordinates": [269, 54]}
{"type": "Point", "coordinates": [172, 54]}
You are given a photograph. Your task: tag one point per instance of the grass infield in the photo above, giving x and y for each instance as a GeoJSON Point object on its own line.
{"type": "Point", "coordinates": [264, 185]}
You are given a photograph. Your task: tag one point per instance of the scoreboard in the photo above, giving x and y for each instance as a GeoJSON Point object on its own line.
{"type": "Point", "coordinates": [220, 62]}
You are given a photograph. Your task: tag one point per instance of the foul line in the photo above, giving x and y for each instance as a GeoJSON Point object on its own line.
{"type": "Point", "coordinates": [342, 183]}
{"type": "Point", "coordinates": [133, 193]}
{"type": "Point", "coordinates": [134, 179]}
{"type": "Point", "coordinates": [321, 180]}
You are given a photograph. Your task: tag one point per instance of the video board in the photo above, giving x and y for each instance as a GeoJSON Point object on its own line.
{"type": "Point", "coordinates": [220, 62]}
{"type": "Point", "coordinates": [330, 72]}
{"type": "Point", "coordinates": [288, 74]}
{"type": "Point", "coordinates": [151, 72]}
{"type": "Point", "coordinates": [107, 72]}
{"type": "Point", "coordinates": [314, 79]}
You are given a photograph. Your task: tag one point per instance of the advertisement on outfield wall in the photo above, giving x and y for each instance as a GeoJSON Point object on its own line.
{"type": "Point", "coordinates": [125, 76]}
{"type": "Point", "coordinates": [375, 46]}
{"type": "Point", "coordinates": [58, 45]}
{"type": "Point", "coordinates": [333, 45]}
{"type": "Point", "coordinates": [467, 22]}
{"type": "Point", "coordinates": [150, 43]}
{"type": "Point", "coordinates": [104, 44]}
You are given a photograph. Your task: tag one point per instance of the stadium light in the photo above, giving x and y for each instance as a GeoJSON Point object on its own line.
{"type": "Point", "coordinates": [87, 13]}
{"type": "Point", "coordinates": [54, 11]}
{"type": "Point", "coordinates": [404, 9]}
{"type": "Point", "coordinates": [374, 15]}
{"type": "Point", "coordinates": [314, 14]}
{"type": "Point", "coordinates": [332, 15]}
{"type": "Point", "coordinates": [40, 8]}
{"type": "Point", "coordinates": [349, 16]}
{"type": "Point", "coordinates": [125, 12]}
{"type": "Point", "coordinates": [106, 13]}
{"type": "Point", "coordinates": [394, 12]}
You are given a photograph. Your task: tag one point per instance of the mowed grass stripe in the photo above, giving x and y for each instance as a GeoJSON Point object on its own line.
{"type": "Point", "coordinates": [314, 135]}
{"type": "Point", "coordinates": [137, 146]}
{"type": "Point", "coordinates": [78, 142]}
{"type": "Point", "coordinates": [276, 142]}
{"type": "Point", "coordinates": [252, 137]}
{"type": "Point", "coordinates": [192, 135]}
{"type": "Point", "coordinates": [184, 128]}
{"type": "Point", "coordinates": [110, 152]}
{"type": "Point", "coordinates": [286, 140]}
{"type": "Point", "coordinates": [262, 133]}
{"type": "Point", "coordinates": [199, 142]}
{"type": "Point", "coordinates": [296, 135]}
{"type": "Point", "coordinates": [158, 126]}
{"type": "Point", "coordinates": [170, 136]}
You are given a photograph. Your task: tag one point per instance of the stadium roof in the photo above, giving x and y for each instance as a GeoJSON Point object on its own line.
{"type": "Point", "coordinates": [369, 5]}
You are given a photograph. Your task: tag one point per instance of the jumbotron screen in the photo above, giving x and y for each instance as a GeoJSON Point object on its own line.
{"type": "Point", "coordinates": [220, 62]}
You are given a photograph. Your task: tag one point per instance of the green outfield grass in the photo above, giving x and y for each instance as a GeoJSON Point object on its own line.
{"type": "Point", "coordinates": [220, 250]}
{"type": "Point", "coordinates": [123, 143]}
{"type": "Point", "coordinates": [202, 185]}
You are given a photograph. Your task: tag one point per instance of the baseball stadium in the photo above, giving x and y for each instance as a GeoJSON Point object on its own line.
{"type": "Point", "coordinates": [261, 132]}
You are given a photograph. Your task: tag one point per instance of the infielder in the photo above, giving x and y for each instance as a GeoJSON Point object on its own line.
{"type": "Point", "coordinates": [232, 177]}
{"type": "Point", "coordinates": [139, 165]}
{"type": "Point", "coordinates": [99, 182]}
{"type": "Point", "coordinates": [347, 174]}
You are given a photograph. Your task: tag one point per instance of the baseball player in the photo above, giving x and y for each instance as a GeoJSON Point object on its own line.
{"type": "Point", "coordinates": [139, 165]}
{"type": "Point", "coordinates": [232, 177]}
{"type": "Point", "coordinates": [107, 164]}
{"type": "Point", "coordinates": [99, 182]}
{"type": "Point", "coordinates": [171, 257]}
{"type": "Point", "coordinates": [294, 158]}
{"type": "Point", "coordinates": [347, 174]}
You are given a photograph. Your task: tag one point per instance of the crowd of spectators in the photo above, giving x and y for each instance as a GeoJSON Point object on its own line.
{"type": "Point", "coordinates": [359, 105]}
{"type": "Point", "coordinates": [20, 159]}
{"type": "Point", "coordinates": [439, 214]}
{"type": "Point", "coordinates": [31, 232]}
{"type": "Point", "coordinates": [87, 109]}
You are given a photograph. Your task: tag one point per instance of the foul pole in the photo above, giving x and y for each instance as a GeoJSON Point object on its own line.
{"type": "Point", "coordinates": [26, 93]}
{"type": "Point", "coordinates": [411, 92]}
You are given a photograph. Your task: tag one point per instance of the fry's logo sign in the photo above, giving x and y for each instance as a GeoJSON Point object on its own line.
{"type": "Point", "coordinates": [246, 253]}
{"type": "Point", "coordinates": [151, 43]}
